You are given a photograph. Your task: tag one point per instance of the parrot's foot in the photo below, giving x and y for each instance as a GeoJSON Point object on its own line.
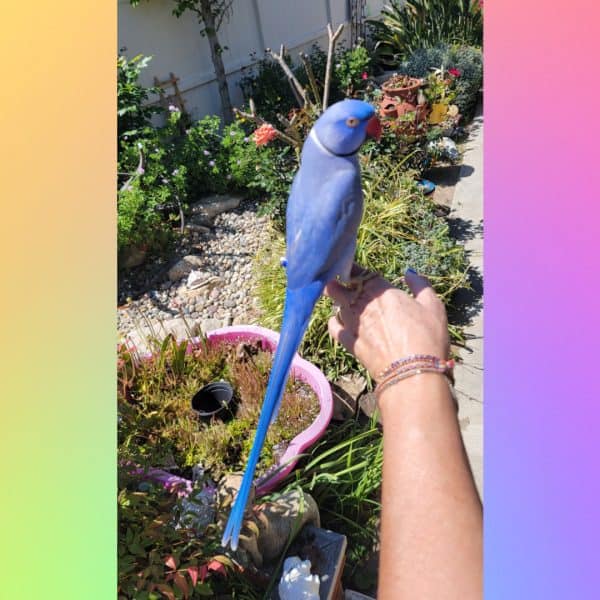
{"type": "Point", "coordinates": [356, 283]}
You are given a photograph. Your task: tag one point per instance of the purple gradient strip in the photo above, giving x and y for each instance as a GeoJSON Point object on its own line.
{"type": "Point", "coordinates": [542, 301]}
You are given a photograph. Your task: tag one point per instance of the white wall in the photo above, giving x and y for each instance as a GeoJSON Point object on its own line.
{"type": "Point", "coordinates": [176, 45]}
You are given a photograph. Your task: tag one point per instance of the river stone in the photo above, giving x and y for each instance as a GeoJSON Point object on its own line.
{"type": "Point", "coordinates": [184, 267]}
{"type": "Point", "coordinates": [211, 206]}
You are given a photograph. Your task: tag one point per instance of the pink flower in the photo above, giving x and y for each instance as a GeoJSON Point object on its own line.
{"type": "Point", "coordinates": [454, 72]}
{"type": "Point", "coordinates": [264, 134]}
{"type": "Point", "coordinates": [364, 75]}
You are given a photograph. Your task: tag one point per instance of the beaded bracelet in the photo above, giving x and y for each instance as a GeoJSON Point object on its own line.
{"type": "Point", "coordinates": [413, 365]}
{"type": "Point", "coordinates": [416, 358]}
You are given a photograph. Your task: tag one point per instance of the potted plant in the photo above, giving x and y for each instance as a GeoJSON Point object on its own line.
{"type": "Point", "coordinates": [198, 360]}
{"type": "Point", "coordinates": [439, 94]}
{"type": "Point", "coordinates": [402, 86]}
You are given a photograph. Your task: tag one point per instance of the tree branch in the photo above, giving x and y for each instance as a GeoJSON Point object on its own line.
{"type": "Point", "coordinates": [332, 39]}
{"type": "Point", "coordinates": [299, 91]}
{"type": "Point", "coordinates": [252, 116]}
{"type": "Point", "coordinates": [311, 79]}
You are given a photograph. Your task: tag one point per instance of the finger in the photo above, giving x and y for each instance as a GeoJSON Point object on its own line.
{"type": "Point", "coordinates": [340, 334]}
{"type": "Point", "coordinates": [338, 293]}
{"type": "Point", "coordinates": [423, 292]}
{"type": "Point", "coordinates": [358, 271]}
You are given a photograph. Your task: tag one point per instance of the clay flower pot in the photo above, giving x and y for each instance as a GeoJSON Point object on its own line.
{"type": "Point", "coordinates": [388, 108]}
{"type": "Point", "coordinates": [406, 107]}
{"type": "Point", "coordinates": [402, 86]}
{"type": "Point", "coordinates": [301, 370]}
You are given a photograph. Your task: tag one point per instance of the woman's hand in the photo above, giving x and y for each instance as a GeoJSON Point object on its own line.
{"type": "Point", "coordinates": [382, 323]}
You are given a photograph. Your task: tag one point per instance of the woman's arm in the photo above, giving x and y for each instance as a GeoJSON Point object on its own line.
{"type": "Point", "coordinates": [431, 529]}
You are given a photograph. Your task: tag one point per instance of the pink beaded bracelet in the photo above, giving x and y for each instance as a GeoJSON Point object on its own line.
{"type": "Point", "coordinates": [413, 365]}
{"type": "Point", "coordinates": [427, 359]}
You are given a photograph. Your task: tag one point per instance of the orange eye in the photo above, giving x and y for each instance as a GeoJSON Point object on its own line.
{"type": "Point", "coordinates": [352, 122]}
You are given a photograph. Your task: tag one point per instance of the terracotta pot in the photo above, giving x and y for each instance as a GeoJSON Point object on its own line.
{"type": "Point", "coordinates": [406, 107]}
{"type": "Point", "coordinates": [406, 92]}
{"type": "Point", "coordinates": [388, 108]}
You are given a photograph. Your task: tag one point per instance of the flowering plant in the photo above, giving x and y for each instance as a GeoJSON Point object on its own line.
{"type": "Point", "coordinates": [264, 134]}
{"type": "Point", "coordinates": [352, 69]}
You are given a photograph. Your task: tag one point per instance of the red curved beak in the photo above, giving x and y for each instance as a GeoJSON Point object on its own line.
{"type": "Point", "coordinates": [374, 128]}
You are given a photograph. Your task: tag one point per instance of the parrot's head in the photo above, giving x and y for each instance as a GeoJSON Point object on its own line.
{"type": "Point", "coordinates": [344, 126]}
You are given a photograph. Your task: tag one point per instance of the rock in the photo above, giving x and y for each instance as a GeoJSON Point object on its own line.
{"type": "Point", "coordinates": [131, 256]}
{"type": "Point", "coordinates": [183, 267]}
{"type": "Point", "coordinates": [197, 279]}
{"type": "Point", "coordinates": [368, 404]}
{"type": "Point", "coordinates": [277, 520]}
{"type": "Point", "coordinates": [344, 405]}
{"type": "Point", "coordinates": [197, 228]}
{"type": "Point", "coordinates": [179, 327]}
{"type": "Point", "coordinates": [240, 320]}
{"type": "Point", "coordinates": [210, 324]}
{"type": "Point", "coordinates": [354, 385]}
{"type": "Point", "coordinates": [212, 206]}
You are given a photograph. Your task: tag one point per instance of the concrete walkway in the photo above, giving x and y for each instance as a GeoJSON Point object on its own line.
{"type": "Point", "coordinates": [466, 218]}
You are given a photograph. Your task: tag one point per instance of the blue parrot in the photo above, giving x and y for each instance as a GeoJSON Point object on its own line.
{"type": "Point", "coordinates": [323, 214]}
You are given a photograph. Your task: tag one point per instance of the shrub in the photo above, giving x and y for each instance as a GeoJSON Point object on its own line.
{"type": "Point", "coordinates": [137, 218]}
{"type": "Point", "coordinates": [267, 84]}
{"type": "Point", "coordinates": [199, 149]}
{"type": "Point", "coordinates": [466, 59]}
{"type": "Point", "coordinates": [352, 69]}
{"type": "Point", "coordinates": [133, 112]}
{"type": "Point", "coordinates": [411, 24]}
{"type": "Point", "coordinates": [400, 229]}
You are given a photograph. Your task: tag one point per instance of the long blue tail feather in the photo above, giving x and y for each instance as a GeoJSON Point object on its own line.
{"type": "Point", "coordinates": [298, 308]}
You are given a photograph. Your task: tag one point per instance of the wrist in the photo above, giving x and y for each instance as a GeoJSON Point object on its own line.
{"type": "Point", "coordinates": [421, 394]}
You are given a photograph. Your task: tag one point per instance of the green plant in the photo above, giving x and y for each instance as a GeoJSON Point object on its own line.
{"type": "Point", "coordinates": [199, 149]}
{"type": "Point", "coordinates": [267, 84]}
{"type": "Point", "coordinates": [400, 228]}
{"type": "Point", "coordinates": [159, 558]}
{"type": "Point", "coordinates": [155, 560]}
{"type": "Point", "coordinates": [439, 88]}
{"type": "Point", "coordinates": [158, 427]}
{"type": "Point", "coordinates": [138, 222]}
{"type": "Point", "coordinates": [343, 474]}
{"type": "Point", "coordinates": [352, 69]}
{"type": "Point", "coordinates": [466, 60]}
{"type": "Point", "coordinates": [406, 26]}
{"type": "Point", "coordinates": [133, 112]}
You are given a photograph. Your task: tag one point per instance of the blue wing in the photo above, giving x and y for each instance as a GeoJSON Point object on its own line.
{"type": "Point", "coordinates": [322, 220]}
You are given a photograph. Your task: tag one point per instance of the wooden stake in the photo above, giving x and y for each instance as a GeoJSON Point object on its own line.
{"type": "Point", "coordinates": [297, 89]}
{"type": "Point", "coordinates": [332, 39]}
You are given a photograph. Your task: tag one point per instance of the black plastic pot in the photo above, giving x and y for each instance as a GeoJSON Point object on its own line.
{"type": "Point", "coordinates": [214, 400]}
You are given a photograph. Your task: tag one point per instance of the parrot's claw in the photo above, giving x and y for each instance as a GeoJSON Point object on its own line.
{"type": "Point", "coordinates": [357, 283]}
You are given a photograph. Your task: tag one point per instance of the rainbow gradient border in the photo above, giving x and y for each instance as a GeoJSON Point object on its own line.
{"type": "Point", "coordinates": [58, 512]}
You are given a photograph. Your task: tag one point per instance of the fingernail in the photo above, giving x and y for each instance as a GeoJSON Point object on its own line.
{"type": "Point", "coordinates": [409, 270]}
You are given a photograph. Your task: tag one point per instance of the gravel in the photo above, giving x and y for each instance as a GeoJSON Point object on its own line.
{"type": "Point", "coordinates": [226, 253]}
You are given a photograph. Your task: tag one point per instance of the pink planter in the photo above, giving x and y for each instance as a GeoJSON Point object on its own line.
{"type": "Point", "coordinates": [302, 370]}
